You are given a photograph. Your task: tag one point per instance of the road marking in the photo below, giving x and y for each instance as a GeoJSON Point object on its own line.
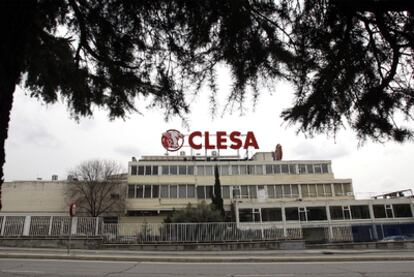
{"type": "Point", "coordinates": [262, 275]}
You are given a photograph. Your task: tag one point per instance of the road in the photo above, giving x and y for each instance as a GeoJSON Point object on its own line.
{"type": "Point", "coordinates": [41, 267]}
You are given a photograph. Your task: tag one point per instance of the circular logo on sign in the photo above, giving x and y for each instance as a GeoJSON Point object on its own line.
{"type": "Point", "coordinates": [172, 140]}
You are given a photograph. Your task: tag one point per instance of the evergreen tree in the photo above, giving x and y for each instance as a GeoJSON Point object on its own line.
{"type": "Point", "coordinates": [216, 198]}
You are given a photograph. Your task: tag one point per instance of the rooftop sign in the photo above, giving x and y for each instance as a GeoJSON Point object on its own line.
{"type": "Point", "coordinates": [173, 140]}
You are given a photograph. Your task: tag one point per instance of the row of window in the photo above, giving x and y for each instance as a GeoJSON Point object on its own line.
{"type": "Point", "coordinates": [237, 191]}
{"type": "Point", "coordinates": [320, 213]}
{"type": "Point", "coordinates": [225, 170]}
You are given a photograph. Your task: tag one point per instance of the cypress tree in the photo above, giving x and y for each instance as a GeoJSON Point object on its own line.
{"type": "Point", "coordinates": [216, 198]}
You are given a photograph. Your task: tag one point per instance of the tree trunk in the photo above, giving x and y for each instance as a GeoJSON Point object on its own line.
{"type": "Point", "coordinates": [16, 20]}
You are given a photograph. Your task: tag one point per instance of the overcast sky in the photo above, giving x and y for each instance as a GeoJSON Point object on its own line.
{"type": "Point", "coordinates": [44, 140]}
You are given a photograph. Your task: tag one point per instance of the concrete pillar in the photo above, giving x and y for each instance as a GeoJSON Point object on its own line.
{"type": "Point", "coordinates": [374, 226]}
{"type": "Point", "coordinates": [2, 226]}
{"type": "Point", "coordinates": [284, 221]}
{"type": "Point", "coordinates": [96, 226]}
{"type": "Point", "coordinates": [328, 217]}
{"type": "Point", "coordinates": [50, 226]}
{"type": "Point", "coordinates": [74, 225]}
{"type": "Point", "coordinates": [26, 225]}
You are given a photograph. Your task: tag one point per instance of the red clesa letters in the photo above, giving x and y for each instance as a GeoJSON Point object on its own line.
{"type": "Point", "coordinates": [198, 140]}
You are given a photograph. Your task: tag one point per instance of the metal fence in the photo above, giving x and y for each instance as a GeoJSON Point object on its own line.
{"type": "Point", "coordinates": [62, 226]}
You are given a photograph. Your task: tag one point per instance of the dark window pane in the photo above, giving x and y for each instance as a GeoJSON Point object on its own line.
{"type": "Point", "coordinates": [318, 168]}
{"type": "Point", "coordinates": [379, 211]}
{"type": "Point", "coordinates": [140, 191]}
{"type": "Point", "coordinates": [360, 212]}
{"type": "Point", "coordinates": [244, 192]}
{"type": "Point", "coordinates": [310, 168]}
{"type": "Point", "coordinates": [325, 168]}
{"type": "Point", "coordinates": [140, 170]}
{"type": "Point", "coordinates": [173, 169]}
{"type": "Point", "coordinates": [182, 170]}
{"type": "Point", "coordinates": [134, 170]}
{"type": "Point", "coordinates": [253, 191]}
{"type": "Point", "coordinates": [131, 191]}
{"type": "Point", "coordinates": [271, 214]}
{"type": "Point", "coordinates": [287, 191]}
{"type": "Point", "coordinates": [173, 191]}
{"type": "Point", "coordinates": [190, 170]}
{"type": "Point", "coordinates": [336, 212]}
{"type": "Point", "coordinates": [250, 169]}
{"type": "Point", "coordinates": [200, 170]}
{"type": "Point", "coordinates": [269, 169]}
{"type": "Point", "coordinates": [302, 169]}
{"type": "Point", "coordinates": [276, 168]}
{"type": "Point", "coordinates": [182, 191]}
{"type": "Point", "coordinates": [147, 191]}
{"type": "Point", "coordinates": [155, 170]}
{"type": "Point", "coordinates": [402, 210]}
{"type": "Point", "coordinates": [292, 213]}
{"type": "Point", "coordinates": [201, 194]}
{"type": "Point", "coordinates": [190, 191]}
{"type": "Point", "coordinates": [316, 213]}
{"type": "Point", "coordinates": [165, 169]}
{"type": "Point", "coordinates": [242, 169]}
{"type": "Point", "coordinates": [259, 169]}
{"type": "Point", "coordinates": [234, 170]}
{"type": "Point", "coordinates": [285, 168]}
{"type": "Point", "coordinates": [278, 191]}
{"type": "Point", "coordinates": [304, 189]}
{"type": "Point", "coordinates": [295, 191]}
{"type": "Point", "coordinates": [155, 191]}
{"type": "Point", "coordinates": [271, 191]}
{"type": "Point", "coordinates": [292, 169]}
{"type": "Point", "coordinates": [148, 170]}
{"type": "Point", "coordinates": [164, 191]}
{"type": "Point", "coordinates": [209, 170]}
{"type": "Point", "coordinates": [226, 192]}
{"type": "Point", "coordinates": [245, 215]}
{"type": "Point", "coordinates": [209, 191]}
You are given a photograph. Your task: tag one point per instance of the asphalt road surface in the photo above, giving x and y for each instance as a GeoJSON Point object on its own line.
{"type": "Point", "coordinates": [40, 267]}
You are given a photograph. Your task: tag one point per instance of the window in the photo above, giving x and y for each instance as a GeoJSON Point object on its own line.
{"type": "Point", "coordinates": [292, 169]}
{"type": "Point", "coordinates": [182, 170]}
{"type": "Point", "coordinates": [155, 170]}
{"type": "Point", "coordinates": [402, 210]}
{"type": "Point", "coordinates": [278, 191]}
{"type": "Point", "coordinates": [164, 191]}
{"type": "Point", "coordinates": [251, 169]}
{"type": "Point", "coordinates": [302, 169]}
{"type": "Point", "coordinates": [328, 190]}
{"type": "Point", "coordinates": [131, 191]}
{"type": "Point", "coordinates": [173, 191]}
{"type": "Point", "coordinates": [269, 169]}
{"type": "Point", "coordinates": [165, 170]}
{"type": "Point", "coordinates": [347, 189]}
{"type": "Point", "coordinates": [190, 191]}
{"type": "Point", "coordinates": [201, 193]}
{"type": "Point", "coordinates": [209, 191]}
{"type": "Point", "coordinates": [139, 191]}
{"type": "Point", "coordinates": [147, 191]}
{"type": "Point", "coordinates": [276, 168]}
{"type": "Point", "coordinates": [245, 215]}
{"type": "Point", "coordinates": [182, 191]}
{"type": "Point", "coordinates": [295, 191]}
{"type": "Point", "coordinates": [271, 214]}
{"type": "Point", "coordinates": [318, 168]}
{"type": "Point", "coordinates": [245, 191]}
{"type": "Point", "coordinates": [338, 190]}
{"type": "Point", "coordinates": [336, 212]}
{"type": "Point", "coordinates": [243, 170]}
{"type": "Point", "coordinates": [226, 192]}
{"type": "Point", "coordinates": [302, 214]}
{"type": "Point", "coordinates": [271, 191]}
{"type": "Point", "coordinates": [140, 170]}
{"type": "Point", "coordinates": [347, 212]}
{"type": "Point", "coordinates": [316, 213]}
{"type": "Point", "coordinates": [209, 170]}
{"type": "Point", "coordinates": [147, 170]}
{"type": "Point", "coordinates": [304, 189]}
{"type": "Point", "coordinates": [325, 168]}
{"type": "Point", "coordinates": [234, 170]}
{"type": "Point", "coordinates": [253, 191]}
{"type": "Point", "coordinates": [287, 192]}
{"type": "Point", "coordinates": [388, 211]}
{"type": "Point", "coordinates": [173, 169]}
{"type": "Point", "coordinates": [310, 168]}
{"type": "Point", "coordinates": [200, 170]}
{"type": "Point", "coordinates": [236, 192]}
{"type": "Point", "coordinates": [360, 212]}
{"type": "Point", "coordinates": [133, 170]}
{"type": "Point", "coordinates": [155, 191]}
{"type": "Point", "coordinates": [379, 211]}
{"type": "Point", "coordinates": [312, 190]}
{"type": "Point", "coordinates": [320, 190]}
{"type": "Point", "coordinates": [292, 213]}
{"type": "Point", "coordinates": [259, 169]}
{"type": "Point", "coordinates": [224, 169]}
{"type": "Point", "coordinates": [285, 168]}
{"type": "Point", "coordinates": [190, 170]}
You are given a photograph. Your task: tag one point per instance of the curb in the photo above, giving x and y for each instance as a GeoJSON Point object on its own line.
{"type": "Point", "coordinates": [203, 259]}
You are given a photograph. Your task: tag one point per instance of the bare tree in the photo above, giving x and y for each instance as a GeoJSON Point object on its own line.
{"type": "Point", "coordinates": [97, 187]}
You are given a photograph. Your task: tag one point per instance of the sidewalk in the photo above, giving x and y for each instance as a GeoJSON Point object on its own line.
{"type": "Point", "coordinates": [313, 255]}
